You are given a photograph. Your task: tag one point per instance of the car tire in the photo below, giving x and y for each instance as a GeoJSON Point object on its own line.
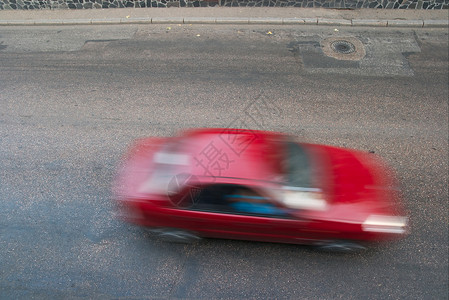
{"type": "Point", "coordinates": [341, 246]}
{"type": "Point", "coordinates": [174, 235]}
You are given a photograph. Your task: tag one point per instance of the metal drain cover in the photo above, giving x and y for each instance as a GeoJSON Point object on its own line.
{"type": "Point", "coordinates": [343, 48]}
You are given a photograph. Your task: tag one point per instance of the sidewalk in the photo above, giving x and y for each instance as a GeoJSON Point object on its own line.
{"type": "Point", "coordinates": [225, 15]}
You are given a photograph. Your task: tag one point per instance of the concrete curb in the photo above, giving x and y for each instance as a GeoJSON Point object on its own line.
{"type": "Point", "coordinates": [208, 20]}
{"type": "Point", "coordinates": [300, 21]}
{"type": "Point", "coordinates": [274, 21]}
{"type": "Point", "coordinates": [364, 22]}
{"type": "Point", "coordinates": [405, 23]}
{"type": "Point", "coordinates": [334, 22]}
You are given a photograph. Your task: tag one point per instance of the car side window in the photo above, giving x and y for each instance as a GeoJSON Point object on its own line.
{"type": "Point", "coordinates": [235, 199]}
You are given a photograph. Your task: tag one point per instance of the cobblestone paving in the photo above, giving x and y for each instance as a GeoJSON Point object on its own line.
{"type": "Point", "coordinates": [348, 4]}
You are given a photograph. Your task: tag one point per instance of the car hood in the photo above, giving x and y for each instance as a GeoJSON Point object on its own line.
{"type": "Point", "coordinates": [355, 177]}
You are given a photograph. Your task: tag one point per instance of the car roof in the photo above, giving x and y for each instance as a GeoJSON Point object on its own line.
{"type": "Point", "coordinates": [227, 154]}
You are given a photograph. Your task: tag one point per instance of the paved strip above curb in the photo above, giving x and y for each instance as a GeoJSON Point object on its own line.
{"type": "Point", "coordinates": [260, 21]}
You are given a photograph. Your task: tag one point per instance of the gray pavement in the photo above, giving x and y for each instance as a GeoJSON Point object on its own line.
{"type": "Point", "coordinates": [222, 15]}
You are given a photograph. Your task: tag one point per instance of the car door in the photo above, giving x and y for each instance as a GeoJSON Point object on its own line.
{"type": "Point", "coordinates": [254, 217]}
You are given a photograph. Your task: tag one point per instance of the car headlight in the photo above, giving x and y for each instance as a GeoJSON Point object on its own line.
{"type": "Point", "coordinates": [386, 224]}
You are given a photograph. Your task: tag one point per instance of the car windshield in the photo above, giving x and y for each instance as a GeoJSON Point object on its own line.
{"type": "Point", "coordinates": [297, 166]}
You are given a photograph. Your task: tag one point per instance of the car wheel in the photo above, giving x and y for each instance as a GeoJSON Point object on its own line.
{"type": "Point", "coordinates": [341, 246]}
{"type": "Point", "coordinates": [174, 235]}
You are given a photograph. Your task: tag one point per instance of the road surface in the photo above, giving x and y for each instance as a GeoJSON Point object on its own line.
{"type": "Point", "coordinates": [73, 98]}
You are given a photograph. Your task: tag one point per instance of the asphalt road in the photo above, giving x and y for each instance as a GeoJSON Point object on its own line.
{"type": "Point", "coordinates": [73, 98]}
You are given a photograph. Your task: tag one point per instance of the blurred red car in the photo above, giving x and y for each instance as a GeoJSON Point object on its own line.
{"type": "Point", "coordinates": [258, 185]}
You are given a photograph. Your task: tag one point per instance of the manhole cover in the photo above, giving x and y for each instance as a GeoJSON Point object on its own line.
{"type": "Point", "coordinates": [343, 46]}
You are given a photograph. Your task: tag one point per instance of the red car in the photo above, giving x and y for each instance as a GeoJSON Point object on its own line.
{"type": "Point", "coordinates": [258, 185]}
